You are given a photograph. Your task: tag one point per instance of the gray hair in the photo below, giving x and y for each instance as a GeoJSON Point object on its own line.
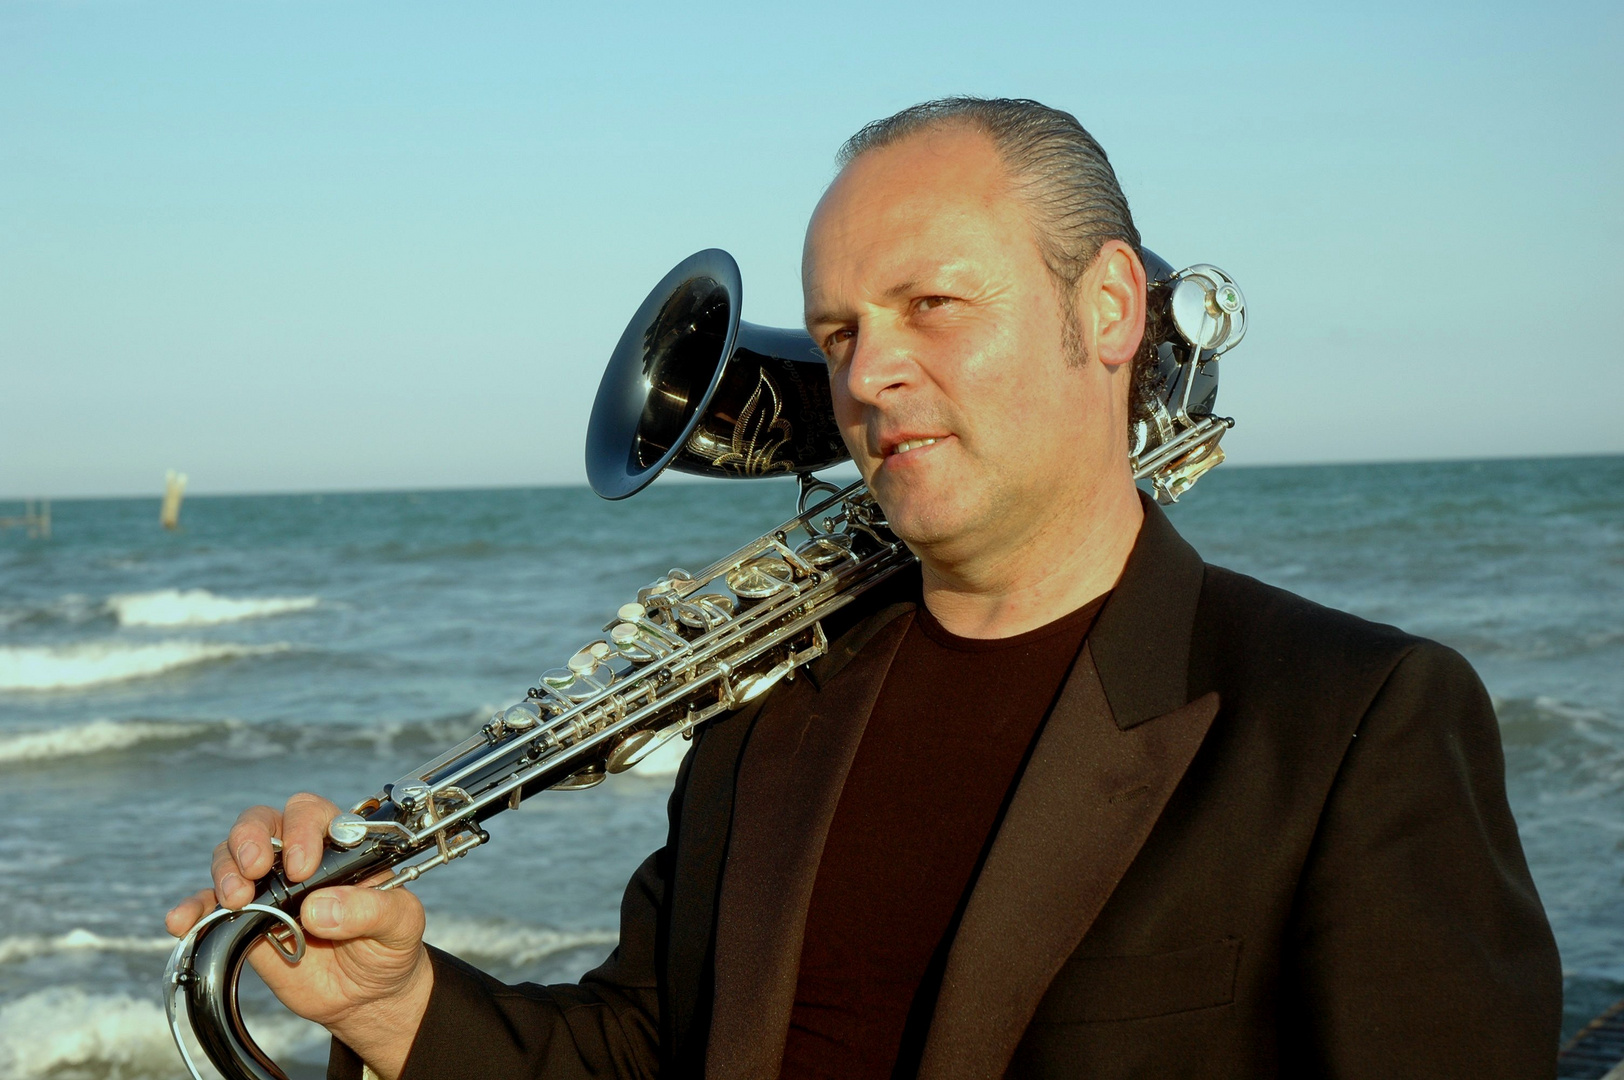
{"type": "Point", "coordinates": [1063, 176]}
{"type": "Point", "coordinates": [1058, 170]}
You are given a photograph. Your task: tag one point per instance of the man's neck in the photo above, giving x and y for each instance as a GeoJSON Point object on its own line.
{"type": "Point", "coordinates": [1076, 557]}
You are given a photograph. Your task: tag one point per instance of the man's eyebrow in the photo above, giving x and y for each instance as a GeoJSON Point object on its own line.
{"type": "Point", "coordinates": [823, 318]}
{"type": "Point", "coordinates": [831, 315]}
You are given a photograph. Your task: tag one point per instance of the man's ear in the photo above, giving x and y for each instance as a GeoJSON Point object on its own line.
{"type": "Point", "coordinates": [1113, 293]}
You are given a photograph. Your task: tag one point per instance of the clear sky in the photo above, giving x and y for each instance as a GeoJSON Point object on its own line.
{"type": "Point", "coordinates": [299, 246]}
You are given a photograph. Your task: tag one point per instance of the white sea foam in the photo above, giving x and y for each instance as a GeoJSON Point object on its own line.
{"type": "Point", "coordinates": [95, 737]}
{"type": "Point", "coordinates": [30, 946]}
{"type": "Point", "coordinates": [199, 607]}
{"type": "Point", "coordinates": [477, 939]}
{"type": "Point", "coordinates": [65, 1032]}
{"type": "Point", "coordinates": [70, 667]}
{"type": "Point", "coordinates": [473, 938]}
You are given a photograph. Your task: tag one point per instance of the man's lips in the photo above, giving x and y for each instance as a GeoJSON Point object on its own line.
{"type": "Point", "coordinates": [895, 447]}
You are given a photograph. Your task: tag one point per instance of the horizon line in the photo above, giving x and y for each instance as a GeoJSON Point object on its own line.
{"type": "Point", "coordinates": [687, 478]}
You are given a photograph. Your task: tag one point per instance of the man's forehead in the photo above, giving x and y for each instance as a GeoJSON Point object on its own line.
{"type": "Point", "coordinates": [905, 211]}
{"type": "Point", "coordinates": [933, 171]}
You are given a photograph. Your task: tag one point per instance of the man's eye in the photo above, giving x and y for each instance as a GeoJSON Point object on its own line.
{"type": "Point", "coordinates": [930, 303]}
{"type": "Point", "coordinates": [837, 339]}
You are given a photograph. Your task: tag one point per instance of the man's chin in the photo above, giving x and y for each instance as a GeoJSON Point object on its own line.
{"type": "Point", "coordinates": [922, 527]}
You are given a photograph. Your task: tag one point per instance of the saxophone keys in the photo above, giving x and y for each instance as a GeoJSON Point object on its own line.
{"type": "Point", "coordinates": [520, 717]}
{"type": "Point", "coordinates": [591, 776]}
{"type": "Point", "coordinates": [706, 611]}
{"type": "Point", "coordinates": [752, 687]}
{"type": "Point", "coordinates": [630, 750]}
{"type": "Point", "coordinates": [347, 830]}
{"type": "Point", "coordinates": [826, 551]}
{"type": "Point", "coordinates": [760, 578]}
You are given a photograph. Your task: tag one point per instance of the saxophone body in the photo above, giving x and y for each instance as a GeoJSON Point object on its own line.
{"type": "Point", "coordinates": [691, 387]}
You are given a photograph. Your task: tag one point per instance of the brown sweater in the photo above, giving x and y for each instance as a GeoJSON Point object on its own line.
{"type": "Point", "coordinates": [942, 749]}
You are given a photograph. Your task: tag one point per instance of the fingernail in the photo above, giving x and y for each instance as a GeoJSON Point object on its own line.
{"type": "Point", "coordinates": [323, 912]}
{"type": "Point", "coordinates": [295, 859]}
{"type": "Point", "coordinates": [228, 885]}
{"type": "Point", "coordinates": [247, 855]}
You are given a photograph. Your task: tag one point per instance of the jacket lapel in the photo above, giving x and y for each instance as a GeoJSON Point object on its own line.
{"type": "Point", "coordinates": [1117, 743]}
{"type": "Point", "coordinates": [1086, 802]}
{"type": "Point", "coordinates": [789, 781]}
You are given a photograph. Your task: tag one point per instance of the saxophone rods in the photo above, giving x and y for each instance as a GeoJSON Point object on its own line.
{"type": "Point", "coordinates": [692, 387]}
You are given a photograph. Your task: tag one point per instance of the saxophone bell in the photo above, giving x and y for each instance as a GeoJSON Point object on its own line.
{"type": "Point", "coordinates": [693, 387]}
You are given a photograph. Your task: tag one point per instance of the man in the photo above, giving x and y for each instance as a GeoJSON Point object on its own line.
{"type": "Point", "coordinates": [1066, 803]}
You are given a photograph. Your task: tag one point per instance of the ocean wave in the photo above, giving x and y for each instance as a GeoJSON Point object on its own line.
{"type": "Point", "coordinates": [476, 939]}
{"type": "Point", "coordinates": [510, 943]}
{"type": "Point", "coordinates": [1542, 719]}
{"type": "Point", "coordinates": [199, 607]}
{"type": "Point", "coordinates": [95, 737]}
{"type": "Point", "coordinates": [30, 946]}
{"type": "Point", "coordinates": [64, 1032]}
{"type": "Point", "coordinates": [236, 739]}
{"type": "Point", "coordinates": [72, 667]}
{"type": "Point", "coordinates": [1573, 755]}
{"type": "Point", "coordinates": [70, 608]}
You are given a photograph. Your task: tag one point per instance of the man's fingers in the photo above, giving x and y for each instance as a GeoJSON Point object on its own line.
{"type": "Point", "coordinates": [343, 913]}
{"type": "Point", "coordinates": [250, 840]}
{"type": "Point", "coordinates": [184, 915]}
{"type": "Point", "coordinates": [233, 889]}
{"type": "Point", "coordinates": [304, 830]}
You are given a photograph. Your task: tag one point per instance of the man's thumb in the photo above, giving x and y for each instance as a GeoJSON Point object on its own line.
{"type": "Point", "coordinates": [345, 912]}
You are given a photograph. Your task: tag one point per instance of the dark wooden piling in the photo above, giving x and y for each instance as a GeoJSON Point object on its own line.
{"type": "Point", "coordinates": [1595, 1050]}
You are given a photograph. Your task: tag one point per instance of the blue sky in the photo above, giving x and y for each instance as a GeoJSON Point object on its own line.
{"type": "Point", "coordinates": [303, 246]}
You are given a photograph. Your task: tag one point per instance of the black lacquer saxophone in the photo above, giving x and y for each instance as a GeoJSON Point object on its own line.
{"type": "Point", "coordinates": [692, 387]}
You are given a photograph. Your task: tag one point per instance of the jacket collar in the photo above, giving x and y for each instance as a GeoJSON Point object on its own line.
{"type": "Point", "coordinates": [1141, 642]}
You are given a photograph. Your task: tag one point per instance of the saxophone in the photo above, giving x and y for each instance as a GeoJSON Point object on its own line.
{"type": "Point", "coordinates": [690, 386]}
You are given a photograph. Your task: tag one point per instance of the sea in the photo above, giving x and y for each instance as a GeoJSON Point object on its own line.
{"type": "Point", "coordinates": [154, 683]}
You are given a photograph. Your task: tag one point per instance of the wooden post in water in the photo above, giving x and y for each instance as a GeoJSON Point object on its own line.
{"type": "Point", "coordinates": [174, 491]}
{"type": "Point", "coordinates": [37, 522]}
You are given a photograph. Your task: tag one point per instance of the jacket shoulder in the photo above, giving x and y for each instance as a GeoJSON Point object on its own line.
{"type": "Point", "coordinates": [1253, 639]}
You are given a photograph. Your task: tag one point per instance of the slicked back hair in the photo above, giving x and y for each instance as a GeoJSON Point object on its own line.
{"type": "Point", "coordinates": [1062, 175]}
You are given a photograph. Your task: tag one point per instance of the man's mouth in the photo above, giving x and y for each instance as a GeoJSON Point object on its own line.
{"type": "Point", "coordinates": [910, 444]}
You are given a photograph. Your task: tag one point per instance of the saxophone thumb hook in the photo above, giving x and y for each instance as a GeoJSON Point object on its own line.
{"type": "Point", "coordinates": [179, 969]}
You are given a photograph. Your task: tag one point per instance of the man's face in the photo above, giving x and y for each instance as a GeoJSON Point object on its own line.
{"type": "Point", "coordinates": [947, 348]}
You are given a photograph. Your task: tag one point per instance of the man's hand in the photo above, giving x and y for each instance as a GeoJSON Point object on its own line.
{"type": "Point", "coordinates": [365, 976]}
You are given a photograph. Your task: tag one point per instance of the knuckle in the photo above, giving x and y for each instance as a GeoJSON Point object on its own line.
{"type": "Point", "coordinates": [255, 817]}
{"type": "Point", "coordinates": [241, 832]}
{"type": "Point", "coordinates": [309, 810]}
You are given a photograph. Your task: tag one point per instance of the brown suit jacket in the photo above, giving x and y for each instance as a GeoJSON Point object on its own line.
{"type": "Point", "coordinates": [1255, 838]}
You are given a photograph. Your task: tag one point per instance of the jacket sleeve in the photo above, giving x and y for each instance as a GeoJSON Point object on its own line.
{"type": "Point", "coordinates": [1419, 944]}
{"type": "Point", "coordinates": [605, 1026]}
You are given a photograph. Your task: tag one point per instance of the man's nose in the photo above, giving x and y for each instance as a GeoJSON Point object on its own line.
{"type": "Point", "coordinates": [881, 364]}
